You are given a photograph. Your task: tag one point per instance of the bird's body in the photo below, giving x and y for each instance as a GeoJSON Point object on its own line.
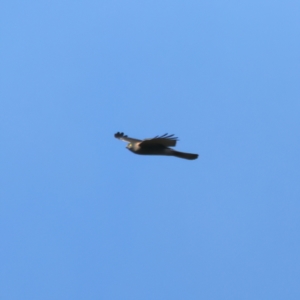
{"type": "Point", "coordinates": [158, 145]}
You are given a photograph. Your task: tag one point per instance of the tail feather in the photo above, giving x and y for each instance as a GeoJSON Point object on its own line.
{"type": "Point", "coordinates": [184, 155]}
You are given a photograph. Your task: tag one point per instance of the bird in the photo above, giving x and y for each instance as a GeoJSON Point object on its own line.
{"type": "Point", "coordinates": [159, 145]}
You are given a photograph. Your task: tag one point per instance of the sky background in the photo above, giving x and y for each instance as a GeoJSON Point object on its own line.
{"type": "Point", "coordinates": [81, 217]}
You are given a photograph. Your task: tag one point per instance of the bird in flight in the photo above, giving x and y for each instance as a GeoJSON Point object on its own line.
{"type": "Point", "coordinates": [158, 145]}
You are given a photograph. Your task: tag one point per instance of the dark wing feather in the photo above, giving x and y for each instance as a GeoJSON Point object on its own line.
{"type": "Point", "coordinates": [121, 136]}
{"type": "Point", "coordinates": [167, 140]}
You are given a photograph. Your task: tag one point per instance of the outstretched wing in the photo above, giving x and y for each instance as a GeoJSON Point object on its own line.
{"type": "Point", "coordinates": [121, 136]}
{"type": "Point", "coordinates": [166, 140]}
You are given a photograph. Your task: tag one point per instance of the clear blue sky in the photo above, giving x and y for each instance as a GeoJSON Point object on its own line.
{"type": "Point", "coordinates": [81, 217]}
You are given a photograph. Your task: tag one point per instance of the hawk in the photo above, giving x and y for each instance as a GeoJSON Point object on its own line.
{"type": "Point", "coordinates": [158, 145]}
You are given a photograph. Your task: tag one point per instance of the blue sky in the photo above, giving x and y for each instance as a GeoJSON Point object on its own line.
{"type": "Point", "coordinates": [84, 218]}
